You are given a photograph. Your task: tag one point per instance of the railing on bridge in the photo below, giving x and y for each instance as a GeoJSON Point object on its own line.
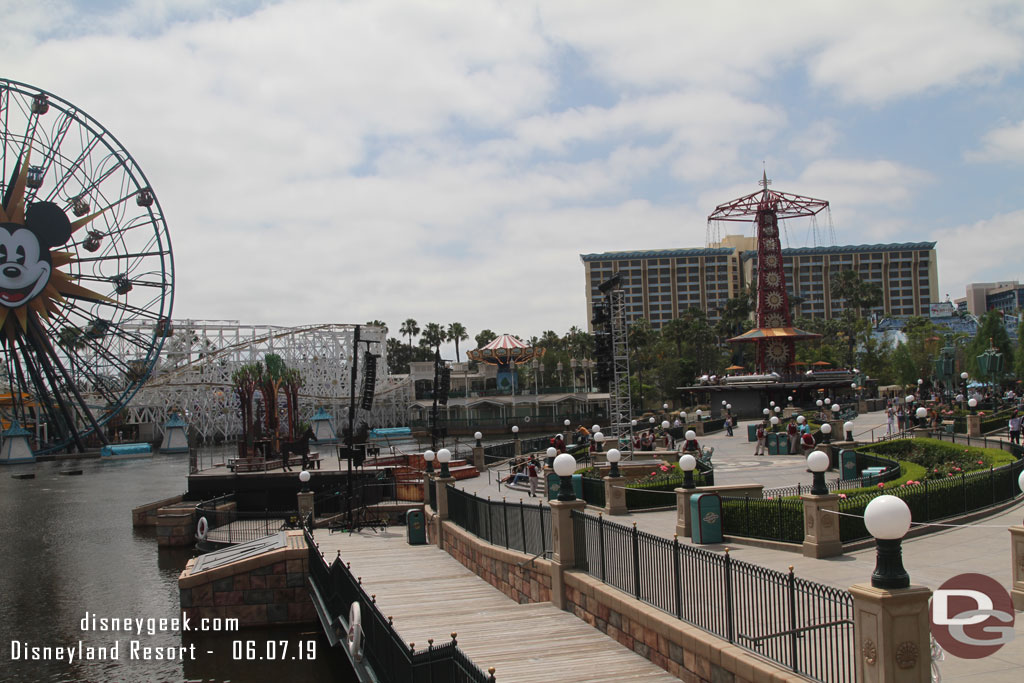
{"type": "Point", "coordinates": [384, 651]}
{"type": "Point", "coordinates": [804, 626]}
{"type": "Point", "coordinates": [230, 526]}
{"type": "Point", "coordinates": [516, 526]}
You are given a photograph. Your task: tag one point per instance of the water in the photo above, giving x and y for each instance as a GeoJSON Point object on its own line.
{"type": "Point", "coordinates": [68, 547]}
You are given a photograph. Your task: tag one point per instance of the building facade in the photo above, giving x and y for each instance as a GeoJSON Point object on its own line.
{"type": "Point", "coordinates": [660, 284]}
{"type": "Point", "coordinates": [986, 296]}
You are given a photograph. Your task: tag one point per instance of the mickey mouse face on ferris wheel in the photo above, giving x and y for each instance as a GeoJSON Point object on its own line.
{"type": "Point", "coordinates": [25, 262]}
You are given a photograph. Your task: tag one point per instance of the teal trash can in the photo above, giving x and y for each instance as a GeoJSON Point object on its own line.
{"type": "Point", "coordinates": [577, 486]}
{"type": "Point", "coordinates": [415, 529]}
{"type": "Point", "coordinates": [553, 484]}
{"type": "Point", "coordinates": [783, 439]}
{"type": "Point", "coordinates": [848, 459]}
{"type": "Point", "coordinates": [752, 432]}
{"type": "Point", "coordinates": [706, 518]}
{"type": "Point", "coordinates": [771, 443]}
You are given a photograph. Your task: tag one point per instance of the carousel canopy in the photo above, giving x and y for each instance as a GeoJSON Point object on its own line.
{"type": "Point", "coordinates": [504, 350]}
{"type": "Point", "coordinates": [763, 333]}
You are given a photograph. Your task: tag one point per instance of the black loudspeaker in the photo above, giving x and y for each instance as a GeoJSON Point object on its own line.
{"type": "Point", "coordinates": [369, 381]}
{"type": "Point", "coordinates": [444, 385]}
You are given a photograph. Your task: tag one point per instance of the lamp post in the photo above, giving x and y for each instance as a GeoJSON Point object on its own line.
{"type": "Point", "coordinates": [826, 433]}
{"type": "Point", "coordinates": [444, 456]}
{"type": "Point", "coordinates": [558, 368]}
{"type": "Point", "coordinates": [536, 385]}
{"type": "Point", "coordinates": [817, 463]}
{"type": "Point", "coordinates": [304, 478]}
{"type": "Point", "coordinates": [598, 440]}
{"type": "Point", "coordinates": [613, 458]}
{"type": "Point", "coordinates": [888, 520]}
{"type": "Point", "coordinates": [922, 414]}
{"type": "Point", "coordinates": [564, 467]}
{"type": "Point", "coordinates": [551, 453]}
{"type": "Point", "coordinates": [848, 428]}
{"type": "Point", "coordinates": [515, 432]}
{"type": "Point", "coordinates": [687, 464]}
{"type": "Point", "coordinates": [478, 436]}
{"type": "Point", "coordinates": [963, 378]}
{"type": "Point", "coordinates": [972, 403]}
{"type": "Point", "coordinates": [573, 363]}
{"type": "Point", "coordinates": [428, 455]}
{"type": "Point", "coordinates": [774, 422]}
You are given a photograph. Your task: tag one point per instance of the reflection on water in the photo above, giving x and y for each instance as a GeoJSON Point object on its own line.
{"type": "Point", "coordinates": [68, 548]}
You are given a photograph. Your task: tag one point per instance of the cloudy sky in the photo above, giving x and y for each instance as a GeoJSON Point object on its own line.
{"type": "Point", "coordinates": [328, 161]}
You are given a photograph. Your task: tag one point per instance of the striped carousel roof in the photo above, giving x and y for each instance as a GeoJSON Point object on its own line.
{"type": "Point", "coordinates": [506, 349]}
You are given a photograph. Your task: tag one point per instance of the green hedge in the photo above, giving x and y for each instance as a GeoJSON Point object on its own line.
{"type": "Point", "coordinates": [777, 519]}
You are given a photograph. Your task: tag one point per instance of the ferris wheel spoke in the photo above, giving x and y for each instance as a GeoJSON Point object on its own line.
{"type": "Point", "coordinates": [74, 166]}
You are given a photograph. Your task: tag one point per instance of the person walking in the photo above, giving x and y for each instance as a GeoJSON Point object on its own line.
{"type": "Point", "coordinates": [728, 425]}
{"type": "Point", "coordinates": [533, 476]}
{"type": "Point", "coordinates": [794, 435]}
{"type": "Point", "coordinates": [890, 420]}
{"type": "Point", "coordinates": [759, 449]}
{"type": "Point", "coordinates": [1014, 428]}
{"type": "Point", "coordinates": [807, 442]}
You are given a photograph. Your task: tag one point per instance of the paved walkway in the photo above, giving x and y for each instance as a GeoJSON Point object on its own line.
{"type": "Point", "coordinates": [983, 547]}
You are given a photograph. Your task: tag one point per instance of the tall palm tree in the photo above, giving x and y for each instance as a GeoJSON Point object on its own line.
{"type": "Point", "coordinates": [433, 336]}
{"type": "Point", "coordinates": [456, 333]}
{"type": "Point", "coordinates": [409, 329]}
{"type": "Point", "coordinates": [378, 323]}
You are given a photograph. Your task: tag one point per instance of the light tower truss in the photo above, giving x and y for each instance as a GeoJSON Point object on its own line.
{"type": "Point", "coordinates": [620, 399]}
{"type": "Point", "coordinates": [193, 374]}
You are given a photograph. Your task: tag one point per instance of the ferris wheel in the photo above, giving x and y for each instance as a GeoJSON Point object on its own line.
{"type": "Point", "coordinates": [86, 270]}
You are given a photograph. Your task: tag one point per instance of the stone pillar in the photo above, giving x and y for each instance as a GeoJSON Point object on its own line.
{"type": "Point", "coordinates": [821, 527]}
{"type": "Point", "coordinates": [1017, 545]}
{"type": "Point", "coordinates": [891, 636]}
{"type": "Point", "coordinates": [614, 496]}
{"type": "Point", "coordinates": [175, 526]}
{"type": "Point", "coordinates": [426, 489]}
{"type": "Point", "coordinates": [862, 406]}
{"type": "Point", "coordinates": [683, 525]}
{"type": "Point", "coordinates": [478, 458]}
{"type": "Point", "coordinates": [563, 546]}
{"type": "Point", "coordinates": [838, 434]}
{"type": "Point", "coordinates": [442, 496]}
{"type": "Point", "coordinates": [974, 425]}
{"type": "Point", "coordinates": [518, 446]}
{"type": "Point", "coordinates": [305, 504]}
{"type": "Point", "coordinates": [698, 428]}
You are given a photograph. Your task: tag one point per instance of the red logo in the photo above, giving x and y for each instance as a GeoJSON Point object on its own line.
{"type": "Point", "coordinates": [972, 616]}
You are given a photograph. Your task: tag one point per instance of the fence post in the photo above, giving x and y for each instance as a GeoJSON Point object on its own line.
{"type": "Point", "coordinates": [683, 524]}
{"type": "Point", "coordinates": [1017, 550]}
{"type": "Point", "coordinates": [891, 635]}
{"type": "Point", "coordinates": [728, 597]}
{"type": "Point", "coordinates": [504, 517]}
{"type": "Point", "coordinates": [963, 488]}
{"type": "Point", "coordinates": [791, 593]}
{"type": "Point", "coordinates": [563, 557]}
{"type": "Point", "coordinates": [600, 536]}
{"type": "Point", "coordinates": [821, 526]}
{"type": "Point", "coordinates": [636, 561]}
{"type": "Point", "coordinates": [677, 577]}
{"type": "Point", "coordinates": [614, 495]}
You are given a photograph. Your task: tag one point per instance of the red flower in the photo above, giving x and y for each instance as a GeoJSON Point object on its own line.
{"type": "Point", "coordinates": [981, 462]}
{"type": "Point", "coordinates": [881, 486]}
{"type": "Point", "coordinates": [842, 495]}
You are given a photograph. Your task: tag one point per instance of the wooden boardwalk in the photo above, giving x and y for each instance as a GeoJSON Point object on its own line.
{"type": "Point", "coordinates": [431, 595]}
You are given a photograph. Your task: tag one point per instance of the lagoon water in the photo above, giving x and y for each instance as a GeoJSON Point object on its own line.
{"type": "Point", "coordinates": [67, 547]}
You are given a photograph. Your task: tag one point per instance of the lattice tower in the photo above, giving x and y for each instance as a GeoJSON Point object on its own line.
{"type": "Point", "coordinates": [620, 399]}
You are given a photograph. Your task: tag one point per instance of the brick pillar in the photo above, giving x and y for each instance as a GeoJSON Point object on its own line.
{"type": "Point", "coordinates": [683, 526]}
{"type": "Point", "coordinates": [614, 496]}
{"type": "Point", "coordinates": [974, 425]}
{"type": "Point", "coordinates": [891, 635]}
{"type": "Point", "coordinates": [838, 434]}
{"type": "Point", "coordinates": [305, 504]}
{"type": "Point", "coordinates": [821, 527]}
{"type": "Point", "coordinates": [563, 546]}
{"type": "Point", "coordinates": [1017, 545]}
{"type": "Point", "coordinates": [175, 527]}
{"type": "Point", "coordinates": [478, 458]}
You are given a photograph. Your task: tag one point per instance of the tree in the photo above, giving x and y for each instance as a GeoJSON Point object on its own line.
{"type": "Point", "coordinates": [456, 333]}
{"type": "Point", "coordinates": [246, 379]}
{"type": "Point", "coordinates": [640, 335]}
{"type": "Point", "coordinates": [484, 338]}
{"type": "Point", "coordinates": [378, 323]}
{"type": "Point", "coordinates": [409, 329]}
{"type": "Point", "coordinates": [991, 332]}
{"type": "Point", "coordinates": [270, 384]}
{"type": "Point", "coordinates": [847, 285]}
{"type": "Point", "coordinates": [291, 382]}
{"type": "Point", "coordinates": [433, 336]}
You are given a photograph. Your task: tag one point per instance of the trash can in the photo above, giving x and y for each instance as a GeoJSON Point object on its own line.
{"type": "Point", "coordinates": [415, 529]}
{"type": "Point", "coordinates": [848, 460]}
{"type": "Point", "coordinates": [577, 486]}
{"type": "Point", "coordinates": [553, 484]}
{"type": "Point", "coordinates": [752, 432]}
{"type": "Point", "coordinates": [706, 518]}
{"type": "Point", "coordinates": [771, 443]}
{"type": "Point", "coordinates": [783, 440]}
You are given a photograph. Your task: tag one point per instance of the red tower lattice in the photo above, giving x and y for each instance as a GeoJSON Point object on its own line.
{"type": "Point", "coordinates": [774, 334]}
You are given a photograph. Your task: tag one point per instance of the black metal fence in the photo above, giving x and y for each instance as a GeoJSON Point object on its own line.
{"type": "Point", "coordinates": [384, 651]}
{"type": "Point", "coordinates": [229, 526]}
{"type": "Point", "coordinates": [804, 626]}
{"type": "Point", "coordinates": [515, 526]}
{"type": "Point", "coordinates": [934, 500]}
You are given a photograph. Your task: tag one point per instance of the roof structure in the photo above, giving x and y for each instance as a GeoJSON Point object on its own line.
{"type": "Point", "coordinates": [763, 333]}
{"type": "Point", "coordinates": [504, 350]}
{"type": "Point", "coordinates": [848, 249]}
{"type": "Point", "coordinates": [657, 253]}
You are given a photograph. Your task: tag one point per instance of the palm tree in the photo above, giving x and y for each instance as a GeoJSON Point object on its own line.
{"type": "Point", "coordinates": [409, 329]}
{"type": "Point", "coordinates": [456, 333]}
{"type": "Point", "coordinates": [378, 323]}
{"type": "Point", "coordinates": [433, 336]}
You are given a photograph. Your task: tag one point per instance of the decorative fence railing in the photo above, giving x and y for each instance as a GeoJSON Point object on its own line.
{"type": "Point", "coordinates": [934, 500]}
{"type": "Point", "coordinates": [515, 526]}
{"type": "Point", "coordinates": [774, 519]}
{"type": "Point", "coordinates": [643, 496]}
{"type": "Point", "coordinates": [804, 626]}
{"type": "Point", "coordinates": [893, 470]}
{"type": "Point", "coordinates": [229, 526]}
{"type": "Point", "coordinates": [390, 658]}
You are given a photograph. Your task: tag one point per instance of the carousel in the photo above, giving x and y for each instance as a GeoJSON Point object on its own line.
{"type": "Point", "coordinates": [506, 352]}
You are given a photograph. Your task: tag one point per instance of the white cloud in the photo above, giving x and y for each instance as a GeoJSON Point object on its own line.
{"type": "Point", "coordinates": [984, 251]}
{"type": "Point", "coordinates": [1005, 143]}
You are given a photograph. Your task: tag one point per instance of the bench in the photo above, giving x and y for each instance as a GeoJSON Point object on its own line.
{"type": "Point", "coordinates": [252, 464]}
{"type": "Point", "coordinates": [312, 461]}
